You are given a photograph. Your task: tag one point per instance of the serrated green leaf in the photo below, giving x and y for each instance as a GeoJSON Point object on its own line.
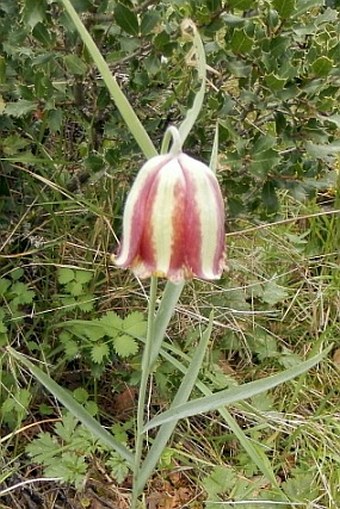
{"type": "Point", "coordinates": [323, 151]}
{"type": "Point", "coordinates": [334, 119]}
{"type": "Point", "coordinates": [17, 274]}
{"type": "Point", "coordinates": [4, 285]}
{"type": "Point", "coordinates": [34, 12]}
{"type": "Point", "coordinates": [125, 346]}
{"type": "Point", "coordinates": [306, 5]}
{"type": "Point", "coordinates": [24, 295]}
{"type": "Point", "coordinates": [65, 275]}
{"type": "Point", "coordinates": [91, 329]}
{"type": "Point", "coordinates": [322, 66]}
{"type": "Point", "coordinates": [70, 468]}
{"type": "Point", "coordinates": [264, 162]}
{"type": "Point", "coordinates": [99, 352]}
{"type": "Point", "coordinates": [152, 65]}
{"type": "Point", "coordinates": [43, 449]}
{"type": "Point", "coordinates": [7, 406]}
{"type": "Point", "coordinates": [118, 467]}
{"type": "Point", "coordinates": [75, 408]}
{"type": "Point", "coordinates": [65, 429]}
{"type": "Point", "coordinates": [81, 394]}
{"type": "Point", "coordinates": [111, 323]}
{"type": "Point", "coordinates": [273, 293]}
{"type": "Point", "coordinates": [71, 349]}
{"type": "Point", "coordinates": [83, 276]}
{"type": "Point", "coordinates": [75, 65]}
{"type": "Point", "coordinates": [20, 108]}
{"type": "Point", "coordinates": [274, 82]}
{"type": "Point", "coordinates": [220, 480]}
{"type": "Point", "coordinates": [75, 288]}
{"type": "Point", "coordinates": [135, 324]}
{"type": "Point", "coordinates": [86, 303]}
{"type": "Point", "coordinates": [263, 143]}
{"type": "Point", "coordinates": [55, 120]}
{"type": "Point", "coordinates": [126, 19]}
{"type": "Point", "coordinates": [42, 33]}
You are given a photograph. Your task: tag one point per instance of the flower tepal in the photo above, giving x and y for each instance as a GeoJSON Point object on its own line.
{"type": "Point", "coordinates": [173, 223]}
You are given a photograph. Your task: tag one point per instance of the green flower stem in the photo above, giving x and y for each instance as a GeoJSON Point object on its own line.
{"type": "Point", "coordinates": [146, 369]}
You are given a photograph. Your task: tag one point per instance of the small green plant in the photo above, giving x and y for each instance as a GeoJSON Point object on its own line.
{"type": "Point", "coordinates": [67, 452]}
{"type": "Point", "coordinates": [16, 300]}
{"type": "Point", "coordinates": [101, 339]}
{"type": "Point", "coordinates": [76, 289]}
{"type": "Point", "coordinates": [14, 295]}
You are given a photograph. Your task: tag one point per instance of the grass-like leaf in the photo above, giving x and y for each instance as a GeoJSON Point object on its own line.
{"type": "Point", "coordinates": [183, 393]}
{"type": "Point", "coordinates": [256, 454]}
{"type": "Point", "coordinates": [74, 407]}
{"type": "Point", "coordinates": [132, 121]}
{"type": "Point", "coordinates": [165, 311]}
{"type": "Point", "coordinates": [228, 396]}
{"type": "Point", "coordinates": [198, 55]}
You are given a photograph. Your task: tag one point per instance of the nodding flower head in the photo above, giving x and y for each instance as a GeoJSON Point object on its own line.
{"type": "Point", "coordinates": [173, 223]}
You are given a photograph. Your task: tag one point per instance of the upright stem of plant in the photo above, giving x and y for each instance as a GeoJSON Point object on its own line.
{"type": "Point", "coordinates": [143, 388]}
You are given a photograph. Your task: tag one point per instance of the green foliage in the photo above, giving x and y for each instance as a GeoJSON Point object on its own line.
{"type": "Point", "coordinates": [15, 407]}
{"type": "Point", "coordinates": [274, 88]}
{"type": "Point", "coordinates": [102, 338]}
{"type": "Point", "coordinates": [76, 289]}
{"type": "Point", "coordinates": [14, 294]}
{"type": "Point", "coordinates": [66, 453]}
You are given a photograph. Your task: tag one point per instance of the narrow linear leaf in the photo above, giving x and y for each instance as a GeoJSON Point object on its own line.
{"type": "Point", "coordinates": [74, 407]}
{"type": "Point", "coordinates": [228, 396]}
{"type": "Point", "coordinates": [214, 151]}
{"type": "Point", "coordinates": [182, 395]}
{"type": "Point", "coordinates": [132, 121]}
{"type": "Point", "coordinates": [165, 311]}
{"type": "Point", "coordinates": [199, 55]}
{"type": "Point", "coordinates": [257, 455]}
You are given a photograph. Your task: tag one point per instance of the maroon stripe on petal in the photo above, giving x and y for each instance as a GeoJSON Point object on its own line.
{"type": "Point", "coordinates": [147, 251]}
{"type": "Point", "coordinates": [178, 245]}
{"type": "Point", "coordinates": [135, 219]}
{"type": "Point", "coordinates": [193, 234]}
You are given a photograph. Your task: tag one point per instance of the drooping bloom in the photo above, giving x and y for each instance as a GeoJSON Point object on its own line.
{"type": "Point", "coordinates": [173, 223]}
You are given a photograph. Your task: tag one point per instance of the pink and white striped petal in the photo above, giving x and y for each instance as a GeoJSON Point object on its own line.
{"type": "Point", "coordinates": [174, 221]}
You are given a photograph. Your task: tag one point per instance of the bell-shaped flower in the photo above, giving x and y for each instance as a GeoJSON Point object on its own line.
{"type": "Point", "coordinates": [173, 223]}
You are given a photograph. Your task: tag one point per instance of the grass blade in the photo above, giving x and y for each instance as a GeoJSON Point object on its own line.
{"type": "Point", "coordinates": [214, 151]}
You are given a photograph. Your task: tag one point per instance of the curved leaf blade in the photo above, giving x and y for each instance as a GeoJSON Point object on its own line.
{"type": "Point", "coordinates": [228, 396]}
{"type": "Point", "coordinates": [74, 407]}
